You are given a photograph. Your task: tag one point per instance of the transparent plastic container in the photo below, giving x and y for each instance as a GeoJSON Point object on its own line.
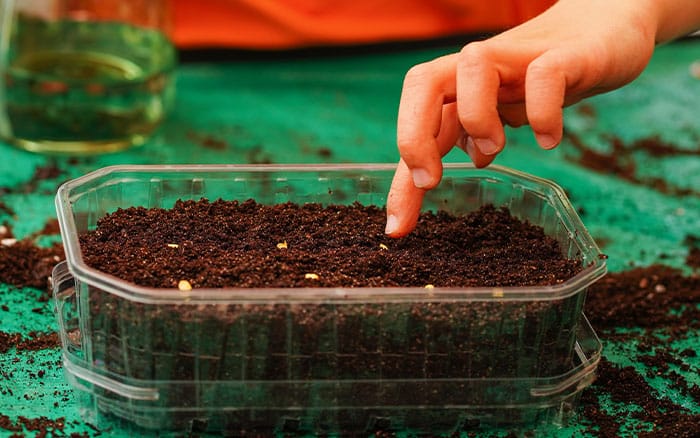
{"type": "Point", "coordinates": [322, 360]}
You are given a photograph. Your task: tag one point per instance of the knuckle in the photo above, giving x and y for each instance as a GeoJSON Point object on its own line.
{"type": "Point", "coordinates": [470, 120]}
{"type": "Point", "coordinates": [477, 121]}
{"type": "Point", "coordinates": [594, 65]}
{"type": "Point", "coordinates": [541, 117]}
{"type": "Point", "coordinates": [473, 53]}
{"type": "Point", "coordinates": [540, 67]}
{"type": "Point", "coordinates": [417, 75]}
{"type": "Point", "coordinates": [406, 145]}
{"type": "Point", "coordinates": [414, 151]}
{"type": "Point", "coordinates": [539, 122]}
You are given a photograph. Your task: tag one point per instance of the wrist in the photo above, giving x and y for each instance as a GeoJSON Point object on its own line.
{"type": "Point", "coordinates": [675, 18]}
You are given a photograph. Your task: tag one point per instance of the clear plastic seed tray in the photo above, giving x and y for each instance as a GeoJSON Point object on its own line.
{"type": "Point", "coordinates": [322, 360]}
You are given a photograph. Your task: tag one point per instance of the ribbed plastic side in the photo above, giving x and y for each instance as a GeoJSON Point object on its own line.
{"type": "Point", "coordinates": [323, 359]}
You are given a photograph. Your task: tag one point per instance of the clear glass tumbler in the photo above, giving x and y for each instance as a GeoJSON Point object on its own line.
{"type": "Point", "coordinates": [84, 76]}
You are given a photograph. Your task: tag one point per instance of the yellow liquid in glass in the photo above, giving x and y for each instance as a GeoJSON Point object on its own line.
{"type": "Point", "coordinates": [86, 87]}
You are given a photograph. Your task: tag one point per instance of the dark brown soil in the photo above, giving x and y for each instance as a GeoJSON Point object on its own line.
{"type": "Point", "coordinates": [245, 244]}
{"type": "Point", "coordinates": [643, 297]}
{"type": "Point", "coordinates": [207, 141]}
{"type": "Point", "coordinates": [23, 264]}
{"type": "Point", "coordinates": [639, 299]}
{"type": "Point", "coordinates": [48, 172]}
{"type": "Point", "coordinates": [223, 243]}
{"type": "Point", "coordinates": [9, 340]}
{"type": "Point", "coordinates": [693, 258]}
{"type": "Point", "coordinates": [51, 228]}
{"type": "Point", "coordinates": [5, 209]}
{"type": "Point", "coordinates": [35, 341]}
{"type": "Point", "coordinates": [660, 305]}
{"type": "Point", "coordinates": [659, 416]}
{"type": "Point", "coordinates": [693, 245]}
{"type": "Point", "coordinates": [42, 426]}
{"type": "Point", "coordinates": [621, 161]}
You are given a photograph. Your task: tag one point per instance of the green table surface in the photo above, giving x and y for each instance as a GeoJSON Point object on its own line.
{"type": "Point", "coordinates": [343, 109]}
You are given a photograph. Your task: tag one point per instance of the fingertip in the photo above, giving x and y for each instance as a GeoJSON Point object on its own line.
{"type": "Point", "coordinates": [546, 141]}
{"type": "Point", "coordinates": [487, 146]}
{"type": "Point", "coordinates": [395, 229]}
{"type": "Point", "coordinates": [392, 224]}
{"type": "Point", "coordinates": [467, 144]}
{"type": "Point", "coordinates": [402, 218]}
{"type": "Point", "coordinates": [483, 161]}
{"type": "Point", "coordinates": [403, 203]}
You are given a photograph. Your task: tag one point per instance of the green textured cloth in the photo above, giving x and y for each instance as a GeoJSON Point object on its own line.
{"type": "Point", "coordinates": [343, 109]}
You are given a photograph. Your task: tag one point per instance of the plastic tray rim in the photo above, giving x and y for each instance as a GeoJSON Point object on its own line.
{"type": "Point", "coordinates": [108, 283]}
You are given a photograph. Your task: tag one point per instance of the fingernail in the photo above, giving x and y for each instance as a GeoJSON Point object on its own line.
{"type": "Point", "coordinates": [421, 178]}
{"type": "Point", "coordinates": [392, 223]}
{"type": "Point", "coordinates": [486, 146]}
{"type": "Point", "coordinates": [545, 141]}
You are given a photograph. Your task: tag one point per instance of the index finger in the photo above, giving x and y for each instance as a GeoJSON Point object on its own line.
{"type": "Point", "coordinates": [403, 204]}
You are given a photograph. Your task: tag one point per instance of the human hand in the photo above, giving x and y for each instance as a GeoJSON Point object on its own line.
{"type": "Point", "coordinates": [526, 75]}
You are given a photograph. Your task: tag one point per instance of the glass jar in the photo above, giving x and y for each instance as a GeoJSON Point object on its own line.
{"type": "Point", "coordinates": [84, 76]}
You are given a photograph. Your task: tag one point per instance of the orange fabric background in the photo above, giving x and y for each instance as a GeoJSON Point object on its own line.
{"type": "Point", "coordinates": [279, 24]}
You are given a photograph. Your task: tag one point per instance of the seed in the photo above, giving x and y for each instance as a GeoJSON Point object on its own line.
{"type": "Point", "coordinates": [497, 292]}
{"type": "Point", "coordinates": [184, 285]}
{"type": "Point", "coordinates": [173, 245]}
{"type": "Point", "coordinates": [8, 242]}
{"type": "Point", "coordinates": [383, 247]}
{"type": "Point", "coordinates": [429, 286]}
{"type": "Point", "coordinates": [659, 288]}
{"type": "Point", "coordinates": [311, 276]}
{"type": "Point", "coordinates": [282, 245]}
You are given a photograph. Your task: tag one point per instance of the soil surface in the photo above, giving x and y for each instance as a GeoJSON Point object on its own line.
{"type": "Point", "coordinates": [227, 243]}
